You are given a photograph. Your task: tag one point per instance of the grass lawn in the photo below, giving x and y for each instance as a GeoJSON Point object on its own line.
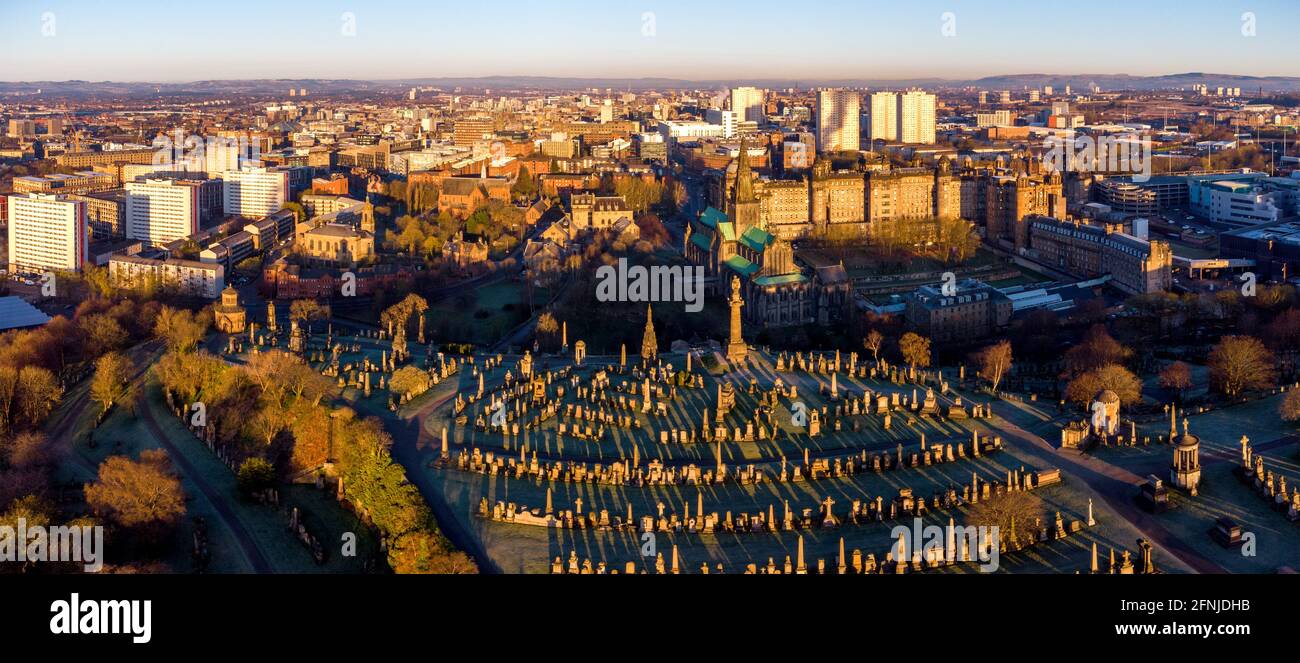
{"type": "Point", "coordinates": [491, 312]}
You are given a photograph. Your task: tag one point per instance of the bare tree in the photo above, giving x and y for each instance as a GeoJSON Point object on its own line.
{"type": "Point", "coordinates": [1012, 512]}
{"type": "Point", "coordinates": [1290, 409]}
{"type": "Point", "coordinates": [1239, 364]}
{"type": "Point", "coordinates": [1097, 349]}
{"type": "Point", "coordinates": [1177, 377]}
{"type": "Point", "coordinates": [1113, 377]}
{"type": "Point", "coordinates": [874, 342]}
{"type": "Point", "coordinates": [995, 363]}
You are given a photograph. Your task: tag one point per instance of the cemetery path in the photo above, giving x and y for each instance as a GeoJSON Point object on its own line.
{"type": "Point", "coordinates": [1115, 486]}
{"type": "Point", "coordinates": [60, 434]}
{"type": "Point", "coordinates": [410, 439]}
{"type": "Point", "coordinates": [218, 499]}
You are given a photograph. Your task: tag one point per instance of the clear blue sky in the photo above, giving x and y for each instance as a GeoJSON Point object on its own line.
{"type": "Point", "coordinates": [180, 40]}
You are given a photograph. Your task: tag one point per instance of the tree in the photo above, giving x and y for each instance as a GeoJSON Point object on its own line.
{"type": "Point", "coordinates": [1177, 377]}
{"type": "Point", "coordinates": [915, 349]}
{"type": "Point", "coordinates": [103, 334]}
{"type": "Point", "coordinates": [524, 187]}
{"type": "Point", "coordinates": [266, 424]}
{"type": "Point", "coordinates": [308, 310]}
{"type": "Point", "coordinates": [191, 377]}
{"type": "Point", "coordinates": [112, 382]}
{"type": "Point", "coordinates": [547, 327]}
{"type": "Point", "coordinates": [1283, 334]}
{"type": "Point", "coordinates": [1290, 409]}
{"type": "Point", "coordinates": [180, 329]}
{"type": "Point", "coordinates": [1014, 513]}
{"type": "Point", "coordinates": [27, 449]}
{"type": "Point", "coordinates": [995, 363]}
{"type": "Point", "coordinates": [1113, 377]}
{"type": "Point", "coordinates": [38, 391]}
{"type": "Point", "coordinates": [142, 494]}
{"type": "Point", "coordinates": [423, 551]}
{"type": "Point", "coordinates": [1097, 349]}
{"type": "Point", "coordinates": [410, 381]}
{"type": "Point", "coordinates": [255, 475]}
{"type": "Point", "coordinates": [8, 398]}
{"type": "Point", "coordinates": [299, 212]}
{"type": "Point", "coordinates": [874, 342]}
{"type": "Point", "coordinates": [1239, 364]}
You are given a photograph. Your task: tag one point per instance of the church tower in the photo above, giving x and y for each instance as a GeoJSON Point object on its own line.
{"type": "Point", "coordinates": [746, 210]}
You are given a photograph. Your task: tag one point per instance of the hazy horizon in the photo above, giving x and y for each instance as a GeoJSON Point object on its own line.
{"type": "Point", "coordinates": [154, 42]}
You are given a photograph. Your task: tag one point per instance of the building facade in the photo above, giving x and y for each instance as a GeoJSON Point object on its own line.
{"type": "Point", "coordinates": [159, 211]}
{"type": "Point", "coordinates": [838, 120]}
{"type": "Point", "coordinates": [188, 277]}
{"type": "Point", "coordinates": [254, 192]}
{"type": "Point", "coordinates": [47, 232]}
{"type": "Point", "coordinates": [1136, 266]}
{"type": "Point", "coordinates": [975, 312]}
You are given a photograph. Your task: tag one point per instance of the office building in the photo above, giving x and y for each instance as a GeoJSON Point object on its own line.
{"type": "Point", "coordinates": [80, 182]}
{"type": "Point", "coordinates": [105, 213]}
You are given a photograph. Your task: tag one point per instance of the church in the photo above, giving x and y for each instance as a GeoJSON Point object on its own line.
{"type": "Point", "coordinates": [777, 292]}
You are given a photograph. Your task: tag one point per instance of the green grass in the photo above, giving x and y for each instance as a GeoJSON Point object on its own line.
{"type": "Point", "coordinates": [495, 310]}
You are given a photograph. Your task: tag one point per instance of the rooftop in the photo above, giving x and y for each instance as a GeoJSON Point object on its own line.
{"type": "Point", "coordinates": [16, 313]}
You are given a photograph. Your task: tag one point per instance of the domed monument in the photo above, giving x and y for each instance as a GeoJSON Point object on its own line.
{"type": "Point", "coordinates": [230, 317]}
{"type": "Point", "coordinates": [1105, 413]}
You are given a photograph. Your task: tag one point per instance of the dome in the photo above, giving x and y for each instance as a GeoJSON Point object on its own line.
{"type": "Point", "coordinates": [1187, 439]}
{"type": "Point", "coordinates": [1108, 397]}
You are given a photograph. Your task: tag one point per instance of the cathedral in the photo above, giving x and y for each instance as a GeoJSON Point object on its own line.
{"type": "Point", "coordinates": [777, 292]}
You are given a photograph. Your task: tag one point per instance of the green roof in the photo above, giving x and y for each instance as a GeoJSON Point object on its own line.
{"type": "Point", "coordinates": [728, 230]}
{"type": "Point", "coordinates": [741, 266]}
{"type": "Point", "coordinates": [785, 279]}
{"type": "Point", "coordinates": [712, 217]}
{"type": "Point", "coordinates": [701, 241]}
{"type": "Point", "coordinates": [757, 239]}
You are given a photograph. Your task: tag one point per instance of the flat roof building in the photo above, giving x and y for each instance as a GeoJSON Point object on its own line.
{"type": "Point", "coordinates": [47, 232]}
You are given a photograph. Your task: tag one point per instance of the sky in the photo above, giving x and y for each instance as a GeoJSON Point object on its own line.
{"type": "Point", "coordinates": [186, 40]}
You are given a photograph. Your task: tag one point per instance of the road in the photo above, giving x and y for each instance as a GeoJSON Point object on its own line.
{"type": "Point", "coordinates": [1116, 486]}
{"type": "Point", "coordinates": [61, 432]}
{"type": "Point", "coordinates": [217, 498]}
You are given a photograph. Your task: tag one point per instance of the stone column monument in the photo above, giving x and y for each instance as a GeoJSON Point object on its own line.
{"type": "Point", "coordinates": [737, 350]}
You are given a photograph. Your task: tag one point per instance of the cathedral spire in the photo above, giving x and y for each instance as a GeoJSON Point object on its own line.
{"type": "Point", "coordinates": [744, 188]}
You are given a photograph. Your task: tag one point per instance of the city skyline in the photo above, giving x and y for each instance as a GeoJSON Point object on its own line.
{"type": "Point", "coordinates": [64, 41]}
